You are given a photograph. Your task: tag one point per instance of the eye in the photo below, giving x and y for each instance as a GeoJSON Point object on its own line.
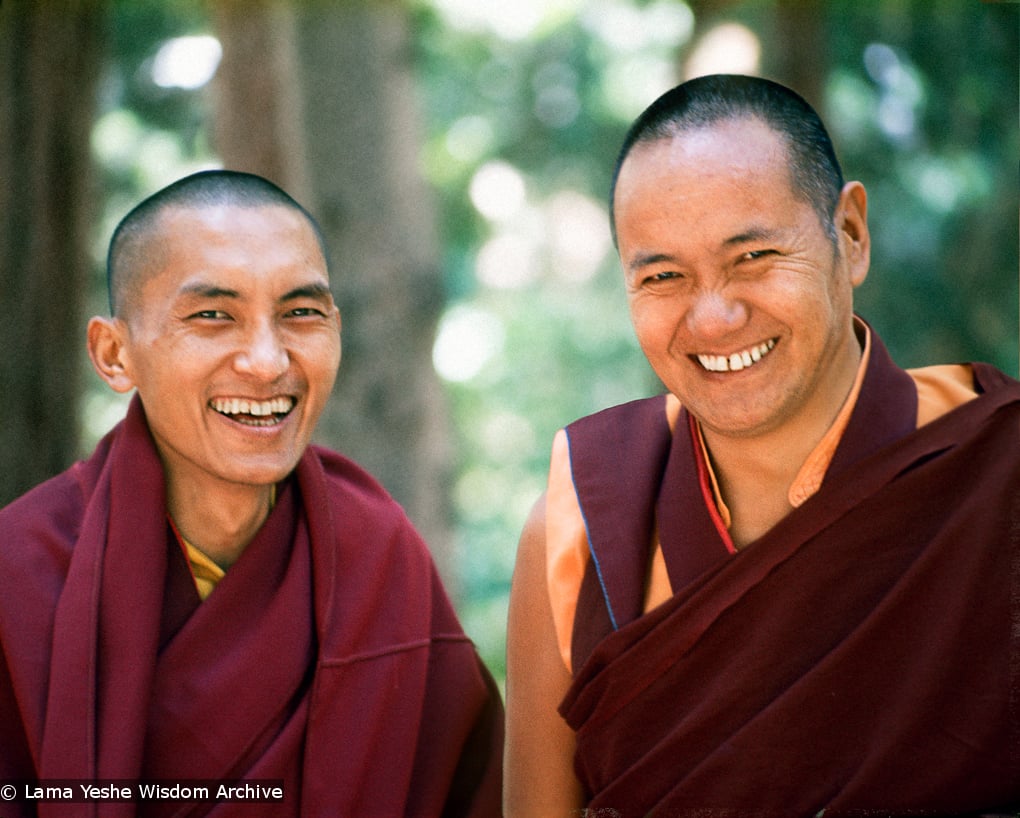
{"type": "Point", "coordinates": [210, 315]}
{"type": "Point", "coordinates": [752, 255]}
{"type": "Point", "coordinates": [306, 312]}
{"type": "Point", "coordinates": [665, 275]}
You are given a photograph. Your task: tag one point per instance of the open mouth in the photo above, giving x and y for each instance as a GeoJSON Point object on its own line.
{"type": "Point", "coordinates": [254, 412]}
{"type": "Point", "coordinates": [738, 360]}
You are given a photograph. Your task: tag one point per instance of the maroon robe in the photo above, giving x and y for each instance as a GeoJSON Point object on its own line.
{"type": "Point", "coordinates": [328, 658]}
{"type": "Point", "coordinates": [862, 657]}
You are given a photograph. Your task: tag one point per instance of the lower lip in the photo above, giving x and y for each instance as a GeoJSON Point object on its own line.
{"type": "Point", "coordinates": [256, 428]}
{"type": "Point", "coordinates": [265, 423]}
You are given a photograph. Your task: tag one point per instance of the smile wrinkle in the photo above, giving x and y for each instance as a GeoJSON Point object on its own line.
{"type": "Point", "coordinates": [737, 360]}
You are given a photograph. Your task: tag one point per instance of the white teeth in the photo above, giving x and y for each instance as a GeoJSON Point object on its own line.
{"type": "Point", "coordinates": [738, 360]}
{"type": "Point", "coordinates": [240, 406]}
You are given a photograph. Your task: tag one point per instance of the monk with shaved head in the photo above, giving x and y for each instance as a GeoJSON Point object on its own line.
{"type": "Point", "coordinates": [209, 600]}
{"type": "Point", "coordinates": [787, 586]}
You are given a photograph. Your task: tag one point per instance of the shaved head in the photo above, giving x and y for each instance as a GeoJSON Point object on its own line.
{"type": "Point", "coordinates": [138, 243]}
{"type": "Point", "coordinates": [706, 101]}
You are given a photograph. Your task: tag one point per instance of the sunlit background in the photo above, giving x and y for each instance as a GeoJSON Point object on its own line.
{"type": "Point", "coordinates": [525, 104]}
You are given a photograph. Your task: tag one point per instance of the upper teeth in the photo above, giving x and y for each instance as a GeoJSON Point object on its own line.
{"type": "Point", "coordinates": [241, 406]}
{"type": "Point", "coordinates": [738, 360]}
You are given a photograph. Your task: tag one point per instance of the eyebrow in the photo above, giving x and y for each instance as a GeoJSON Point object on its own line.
{"type": "Point", "coordinates": [315, 289]}
{"type": "Point", "coordinates": [753, 234]}
{"type": "Point", "coordinates": [749, 235]}
{"type": "Point", "coordinates": [647, 259]}
{"type": "Point", "coordinates": [199, 289]}
{"type": "Point", "coordinates": [202, 290]}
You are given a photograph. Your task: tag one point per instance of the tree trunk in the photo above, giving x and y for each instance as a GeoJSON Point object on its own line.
{"type": "Point", "coordinates": [358, 150]}
{"type": "Point", "coordinates": [258, 120]}
{"type": "Point", "coordinates": [794, 52]}
{"type": "Point", "coordinates": [799, 57]}
{"type": "Point", "coordinates": [49, 61]}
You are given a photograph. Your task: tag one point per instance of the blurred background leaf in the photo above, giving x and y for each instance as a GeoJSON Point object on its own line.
{"type": "Point", "coordinates": [458, 154]}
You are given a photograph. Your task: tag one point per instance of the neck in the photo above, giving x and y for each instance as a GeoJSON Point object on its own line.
{"type": "Point", "coordinates": [772, 460]}
{"type": "Point", "coordinates": [219, 523]}
{"type": "Point", "coordinates": [755, 473]}
{"type": "Point", "coordinates": [754, 483]}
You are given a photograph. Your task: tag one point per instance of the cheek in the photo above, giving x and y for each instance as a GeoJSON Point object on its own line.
{"type": "Point", "coordinates": [655, 324]}
{"type": "Point", "coordinates": [321, 359]}
{"type": "Point", "coordinates": [332, 358]}
{"type": "Point", "coordinates": [825, 303]}
{"type": "Point", "coordinates": [151, 368]}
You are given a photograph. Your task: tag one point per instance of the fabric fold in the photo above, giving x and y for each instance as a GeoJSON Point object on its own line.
{"type": "Point", "coordinates": [896, 575]}
{"type": "Point", "coordinates": [329, 657]}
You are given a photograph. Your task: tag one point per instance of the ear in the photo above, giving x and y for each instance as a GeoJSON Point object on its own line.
{"type": "Point", "coordinates": [851, 221]}
{"type": "Point", "coordinates": [107, 342]}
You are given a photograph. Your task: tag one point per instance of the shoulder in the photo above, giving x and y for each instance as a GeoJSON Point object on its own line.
{"type": "Point", "coordinates": [623, 417]}
{"type": "Point", "coordinates": [49, 516]}
{"type": "Point", "coordinates": [359, 507]}
{"type": "Point", "coordinates": [45, 520]}
{"type": "Point", "coordinates": [943, 388]}
{"type": "Point", "coordinates": [606, 446]}
{"type": "Point", "coordinates": [349, 478]}
{"type": "Point", "coordinates": [963, 380]}
{"type": "Point", "coordinates": [636, 435]}
{"type": "Point", "coordinates": [989, 379]}
{"type": "Point", "coordinates": [38, 532]}
{"type": "Point", "coordinates": [378, 569]}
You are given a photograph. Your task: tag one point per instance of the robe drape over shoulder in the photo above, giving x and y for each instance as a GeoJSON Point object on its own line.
{"type": "Point", "coordinates": [861, 658]}
{"type": "Point", "coordinates": [328, 659]}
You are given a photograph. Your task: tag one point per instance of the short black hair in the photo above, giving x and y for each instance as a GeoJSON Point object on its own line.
{"type": "Point", "coordinates": [203, 189]}
{"type": "Point", "coordinates": [815, 172]}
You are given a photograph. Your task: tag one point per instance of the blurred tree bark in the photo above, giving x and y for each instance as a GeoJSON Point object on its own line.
{"type": "Point", "coordinates": [799, 57]}
{"type": "Point", "coordinates": [320, 97]}
{"type": "Point", "coordinates": [258, 118]}
{"type": "Point", "coordinates": [795, 54]}
{"type": "Point", "coordinates": [49, 65]}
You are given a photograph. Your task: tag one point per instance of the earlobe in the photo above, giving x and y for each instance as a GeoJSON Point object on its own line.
{"type": "Point", "coordinates": [852, 225]}
{"type": "Point", "coordinates": [107, 351]}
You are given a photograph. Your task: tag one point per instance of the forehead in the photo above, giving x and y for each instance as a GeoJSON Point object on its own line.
{"type": "Point", "coordinates": [229, 239]}
{"type": "Point", "coordinates": [247, 250]}
{"type": "Point", "coordinates": [735, 151]}
{"type": "Point", "coordinates": [706, 186]}
{"type": "Point", "coordinates": [231, 224]}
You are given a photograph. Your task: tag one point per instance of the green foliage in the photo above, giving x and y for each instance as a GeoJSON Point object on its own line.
{"type": "Point", "coordinates": [146, 134]}
{"type": "Point", "coordinates": [144, 137]}
{"type": "Point", "coordinates": [922, 106]}
{"type": "Point", "coordinates": [540, 107]}
{"type": "Point", "coordinates": [523, 124]}
{"type": "Point", "coordinates": [922, 102]}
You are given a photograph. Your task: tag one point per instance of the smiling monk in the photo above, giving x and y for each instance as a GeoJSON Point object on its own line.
{"type": "Point", "coordinates": [789, 586]}
{"type": "Point", "coordinates": [210, 598]}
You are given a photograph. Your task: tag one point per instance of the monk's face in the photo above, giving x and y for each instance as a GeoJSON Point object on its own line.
{"type": "Point", "coordinates": [740, 299]}
{"type": "Point", "coordinates": [233, 342]}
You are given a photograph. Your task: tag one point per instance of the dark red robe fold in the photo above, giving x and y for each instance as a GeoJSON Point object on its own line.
{"type": "Point", "coordinates": [328, 657]}
{"type": "Point", "coordinates": [860, 658]}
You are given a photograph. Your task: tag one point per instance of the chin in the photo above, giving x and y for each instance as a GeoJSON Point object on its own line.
{"type": "Point", "coordinates": [262, 474]}
{"type": "Point", "coordinates": [745, 426]}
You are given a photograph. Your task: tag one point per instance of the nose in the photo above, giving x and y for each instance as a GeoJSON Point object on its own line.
{"type": "Point", "coordinates": [263, 354]}
{"type": "Point", "coordinates": [713, 314]}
